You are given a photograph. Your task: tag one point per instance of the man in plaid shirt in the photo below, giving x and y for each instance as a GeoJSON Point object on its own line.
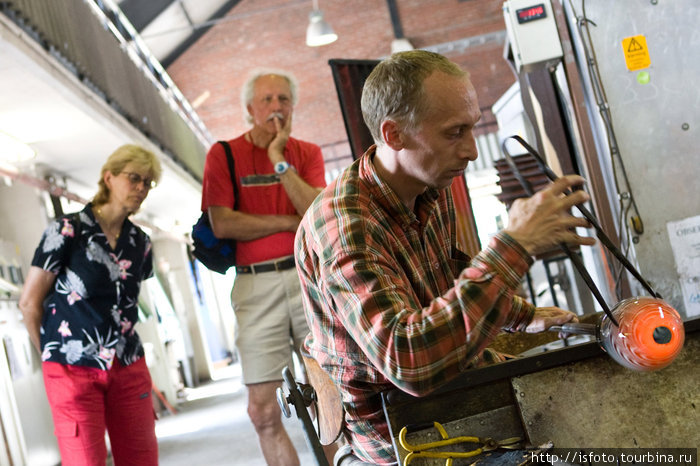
{"type": "Point", "coordinates": [390, 299]}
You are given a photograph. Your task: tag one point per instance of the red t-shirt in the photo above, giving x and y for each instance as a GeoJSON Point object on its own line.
{"type": "Point", "coordinates": [259, 189]}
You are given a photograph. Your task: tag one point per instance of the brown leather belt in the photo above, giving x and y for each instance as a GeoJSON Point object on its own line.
{"type": "Point", "coordinates": [284, 264]}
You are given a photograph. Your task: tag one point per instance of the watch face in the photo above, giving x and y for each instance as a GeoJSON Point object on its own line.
{"type": "Point", "coordinates": [281, 167]}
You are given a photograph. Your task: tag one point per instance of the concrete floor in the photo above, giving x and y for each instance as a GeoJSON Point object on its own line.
{"type": "Point", "coordinates": [212, 428]}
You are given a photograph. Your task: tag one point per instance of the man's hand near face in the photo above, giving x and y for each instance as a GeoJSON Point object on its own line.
{"type": "Point", "coordinates": [275, 151]}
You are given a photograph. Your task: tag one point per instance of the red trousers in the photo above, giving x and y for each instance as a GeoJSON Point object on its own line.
{"type": "Point", "coordinates": [86, 401]}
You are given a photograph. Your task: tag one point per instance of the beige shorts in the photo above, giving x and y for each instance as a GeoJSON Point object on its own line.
{"type": "Point", "coordinates": [271, 323]}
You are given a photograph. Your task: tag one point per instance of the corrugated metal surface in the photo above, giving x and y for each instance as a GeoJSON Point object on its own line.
{"type": "Point", "coordinates": [511, 188]}
{"type": "Point", "coordinates": [487, 145]}
{"type": "Point", "coordinates": [93, 40]}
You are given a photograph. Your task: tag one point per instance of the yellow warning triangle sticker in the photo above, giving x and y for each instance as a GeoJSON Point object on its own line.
{"type": "Point", "coordinates": [634, 46]}
{"type": "Point", "coordinates": [636, 52]}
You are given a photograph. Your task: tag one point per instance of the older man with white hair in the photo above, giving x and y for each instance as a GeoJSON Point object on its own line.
{"type": "Point", "coordinates": [277, 177]}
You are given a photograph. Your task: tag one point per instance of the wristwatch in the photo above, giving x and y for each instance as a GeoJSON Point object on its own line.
{"type": "Point", "coordinates": [282, 167]}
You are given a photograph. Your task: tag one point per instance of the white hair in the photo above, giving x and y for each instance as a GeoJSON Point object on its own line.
{"type": "Point", "coordinates": [248, 90]}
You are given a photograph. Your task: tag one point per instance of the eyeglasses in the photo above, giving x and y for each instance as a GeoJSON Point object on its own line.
{"type": "Point", "coordinates": [135, 179]}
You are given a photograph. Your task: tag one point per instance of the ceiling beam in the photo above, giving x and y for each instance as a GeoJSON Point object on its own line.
{"type": "Point", "coordinates": [141, 13]}
{"type": "Point", "coordinates": [198, 32]}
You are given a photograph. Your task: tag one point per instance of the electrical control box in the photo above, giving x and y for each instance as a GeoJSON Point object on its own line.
{"type": "Point", "coordinates": [532, 32]}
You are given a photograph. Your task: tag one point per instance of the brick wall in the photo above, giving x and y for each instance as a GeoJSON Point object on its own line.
{"type": "Point", "coordinates": [271, 33]}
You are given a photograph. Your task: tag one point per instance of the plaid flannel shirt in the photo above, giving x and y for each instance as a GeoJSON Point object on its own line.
{"type": "Point", "coordinates": [392, 302]}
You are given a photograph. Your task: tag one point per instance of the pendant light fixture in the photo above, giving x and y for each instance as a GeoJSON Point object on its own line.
{"type": "Point", "coordinates": [319, 32]}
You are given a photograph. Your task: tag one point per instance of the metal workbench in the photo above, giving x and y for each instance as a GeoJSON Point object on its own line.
{"type": "Point", "coordinates": [574, 397]}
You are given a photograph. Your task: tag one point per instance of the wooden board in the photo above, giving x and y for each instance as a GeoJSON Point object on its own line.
{"type": "Point", "coordinates": [330, 407]}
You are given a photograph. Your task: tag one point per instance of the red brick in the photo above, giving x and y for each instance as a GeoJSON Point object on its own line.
{"type": "Point", "coordinates": [271, 33]}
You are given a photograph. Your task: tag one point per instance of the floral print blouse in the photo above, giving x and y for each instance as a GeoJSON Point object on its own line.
{"type": "Point", "coordinates": [90, 314]}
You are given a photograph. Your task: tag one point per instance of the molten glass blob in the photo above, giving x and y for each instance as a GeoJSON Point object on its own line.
{"type": "Point", "coordinates": [650, 335]}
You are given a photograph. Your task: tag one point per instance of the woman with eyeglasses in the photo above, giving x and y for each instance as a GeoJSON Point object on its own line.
{"type": "Point", "coordinates": [80, 305]}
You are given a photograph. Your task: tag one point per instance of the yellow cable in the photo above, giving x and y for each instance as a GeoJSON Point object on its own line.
{"type": "Point", "coordinates": [418, 451]}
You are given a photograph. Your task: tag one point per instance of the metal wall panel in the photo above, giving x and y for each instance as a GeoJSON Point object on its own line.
{"type": "Point", "coordinates": [656, 124]}
{"type": "Point", "coordinates": [597, 403]}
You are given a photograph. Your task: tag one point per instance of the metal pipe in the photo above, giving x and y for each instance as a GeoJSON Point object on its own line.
{"type": "Point", "coordinates": [575, 259]}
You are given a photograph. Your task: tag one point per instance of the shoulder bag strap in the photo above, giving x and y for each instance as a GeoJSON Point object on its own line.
{"type": "Point", "coordinates": [232, 171]}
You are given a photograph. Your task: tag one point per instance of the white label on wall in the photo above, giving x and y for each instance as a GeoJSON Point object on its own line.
{"type": "Point", "coordinates": [685, 243]}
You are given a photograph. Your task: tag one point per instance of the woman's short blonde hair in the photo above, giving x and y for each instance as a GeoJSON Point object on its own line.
{"type": "Point", "coordinates": [127, 154]}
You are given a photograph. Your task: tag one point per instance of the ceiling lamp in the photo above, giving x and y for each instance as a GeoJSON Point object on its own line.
{"type": "Point", "coordinates": [13, 150]}
{"type": "Point", "coordinates": [319, 32]}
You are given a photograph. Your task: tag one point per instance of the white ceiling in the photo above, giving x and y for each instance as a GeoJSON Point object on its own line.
{"type": "Point", "coordinates": [176, 24]}
{"type": "Point", "coordinates": [73, 131]}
